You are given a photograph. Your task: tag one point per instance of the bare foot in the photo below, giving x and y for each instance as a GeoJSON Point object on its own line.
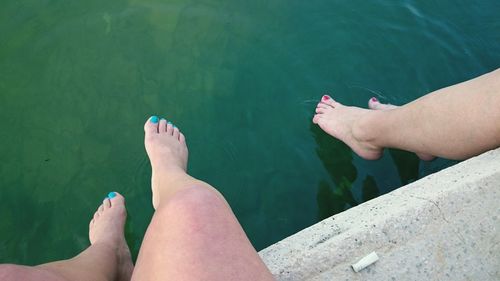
{"type": "Point", "coordinates": [168, 153]}
{"type": "Point", "coordinates": [339, 121]}
{"type": "Point", "coordinates": [375, 104]}
{"type": "Point", "coordinates": [107, 228]}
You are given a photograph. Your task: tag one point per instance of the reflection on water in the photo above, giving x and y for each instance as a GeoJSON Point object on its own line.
{"type": "Point", "coordinates": [337, 159]}
{"type": "Point", "coordinates": [78, 79]}
{"type": "Point", "coordinates": [407, 164]}
{"type": "Point", "coordinates": [370, 188]}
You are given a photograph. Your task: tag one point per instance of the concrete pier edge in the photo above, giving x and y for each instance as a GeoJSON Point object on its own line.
{"type": "Point", "coordinates": [445, 226]}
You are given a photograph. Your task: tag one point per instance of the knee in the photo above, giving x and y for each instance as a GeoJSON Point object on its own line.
{"type": "Point", "coordinates": [195, 200]}
{"type": "Point", "coordinates": [193, 207]}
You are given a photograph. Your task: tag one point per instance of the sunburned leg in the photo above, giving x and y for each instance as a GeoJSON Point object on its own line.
{"type": "Point", "coordinates": [107, 259]}
{"type": "Point", "coordinates": [193, 235]}
{"type": "Point", "coordinates": [456, 122]}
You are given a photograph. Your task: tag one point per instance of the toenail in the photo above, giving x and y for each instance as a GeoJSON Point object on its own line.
{"type": "Point", "coordinates": [111, 195]}
{"type": "Point", "coordinates": [154, 119]}
{"type": "Point", "coordinates": [169, 122]}
{"type": "Point", "coordinates": [175, 127]}
{"type": "Point", "coordinates": [374, 99]}
{"type": "Point", "coordinates": [163, 119]}
{"type": "Point", "coordinates": [325, 97]}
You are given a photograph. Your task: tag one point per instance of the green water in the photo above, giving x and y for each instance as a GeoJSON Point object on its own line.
{"type": "Point", "coordinates": [240, 78]}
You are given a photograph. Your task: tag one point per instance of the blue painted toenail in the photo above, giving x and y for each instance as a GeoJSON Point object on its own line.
{"type": "Point", "coordinates": [163, 119]}
{"type": "Point", "coordinates": [175, 126]}
{"type": "Point", "coordinates": [169, 122]}
{"type": "Point", "coordinates": [154, 119]}
{"type": "Point", "coordinates": [111, 195]}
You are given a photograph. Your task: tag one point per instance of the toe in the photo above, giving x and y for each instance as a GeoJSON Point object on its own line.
{"type": "Point", "coordinates": [182, 139]}
{"type": "Point", "coordinates": [100, 209]}
{"type": "Point", "coordinates": [96, 216]}
{"type": "Point", "coordinates": [316, 118]}
{"type": "Point", "coordinates": [373, 103]}
{"type": "Point", "coordinates": [176, 132]}
{"type": "Point", "coordinates": [162, 128]}
{"type": "Point", "coordinates": [329, 101]}
{"type": "Point", "coordinates": [322, 105]}
{"type": "Point", "coordinates": [326, 97]}
{"type": "Point", "coordinates": [116, 199]}
{"type": "Point", "coordinates": [320, 110]}
{"type": "Point", "coordinates": [151, 125]}
{"type": "Point", "coordinates": [106, 203]}
{"type": "Point", "coordinates": [170, 128]}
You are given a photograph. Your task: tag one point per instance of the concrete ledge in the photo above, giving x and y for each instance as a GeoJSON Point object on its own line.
{"type": "Point", "coordinates": [443, 227]}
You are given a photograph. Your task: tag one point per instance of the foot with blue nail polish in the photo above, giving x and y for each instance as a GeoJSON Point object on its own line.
{"type": "Point", "coordinates": [107, 229]}
{"type": "Point", "coordinates": [168, 154]}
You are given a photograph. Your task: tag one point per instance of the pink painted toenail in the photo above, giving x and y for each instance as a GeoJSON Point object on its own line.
{"type": "Point", "coordinates": [374, 99]}
{"type": "Point", "coordinates": [325, 97]}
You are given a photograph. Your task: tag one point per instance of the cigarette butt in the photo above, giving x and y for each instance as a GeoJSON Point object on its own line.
{"type": "Point", "coordinates": [365, 262]}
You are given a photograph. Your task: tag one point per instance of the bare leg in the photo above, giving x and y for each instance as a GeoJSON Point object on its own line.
{"type": "Point", "coordinates": [193, 235]}
{"type": "Point", "coordinates": [374, 104]}
{"type": "Point", "coordinates": [107, 258]}
{"type": "Point", "coordinates": [456, 122]}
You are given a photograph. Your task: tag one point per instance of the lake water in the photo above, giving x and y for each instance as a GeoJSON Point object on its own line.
{"type": "Point", "coordinates": [240, 78]}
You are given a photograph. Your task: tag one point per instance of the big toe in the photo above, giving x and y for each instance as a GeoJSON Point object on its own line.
{"type": "Point", "coordinates": [375, 104]}
{"type": "Point", "coordinates": [116, 199]}
{"type": "Point", "coordinates": [326, 99]}
{"type": "Point", "coordinates": [151, 126]}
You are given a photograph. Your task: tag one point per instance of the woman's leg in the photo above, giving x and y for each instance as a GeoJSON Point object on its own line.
{"type": "Point", "coordinates": [193, 235]}
{"type": "Point", "coordinates": [107, 258]}
{"type": "Point", "coordinates": [374, 104]}
{"type": "Point", "coordinates": [456, 122]}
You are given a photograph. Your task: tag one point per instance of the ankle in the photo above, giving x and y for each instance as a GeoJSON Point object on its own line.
{"type": "Point", "coordinates": [167, 169]}
{"type": "Point", "coordinates": [170, 182]}
{"type": "Point", "coordinates": [168, 176]}
{"type": "Point", "coordinates": [364, 129]}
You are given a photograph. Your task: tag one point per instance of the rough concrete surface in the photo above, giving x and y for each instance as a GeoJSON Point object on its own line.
{"type": "Point", "coordinates": [445, 226]}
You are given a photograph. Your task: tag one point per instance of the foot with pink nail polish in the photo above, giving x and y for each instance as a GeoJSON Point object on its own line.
{"type": "Point", "coordinates": [341, 122]}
